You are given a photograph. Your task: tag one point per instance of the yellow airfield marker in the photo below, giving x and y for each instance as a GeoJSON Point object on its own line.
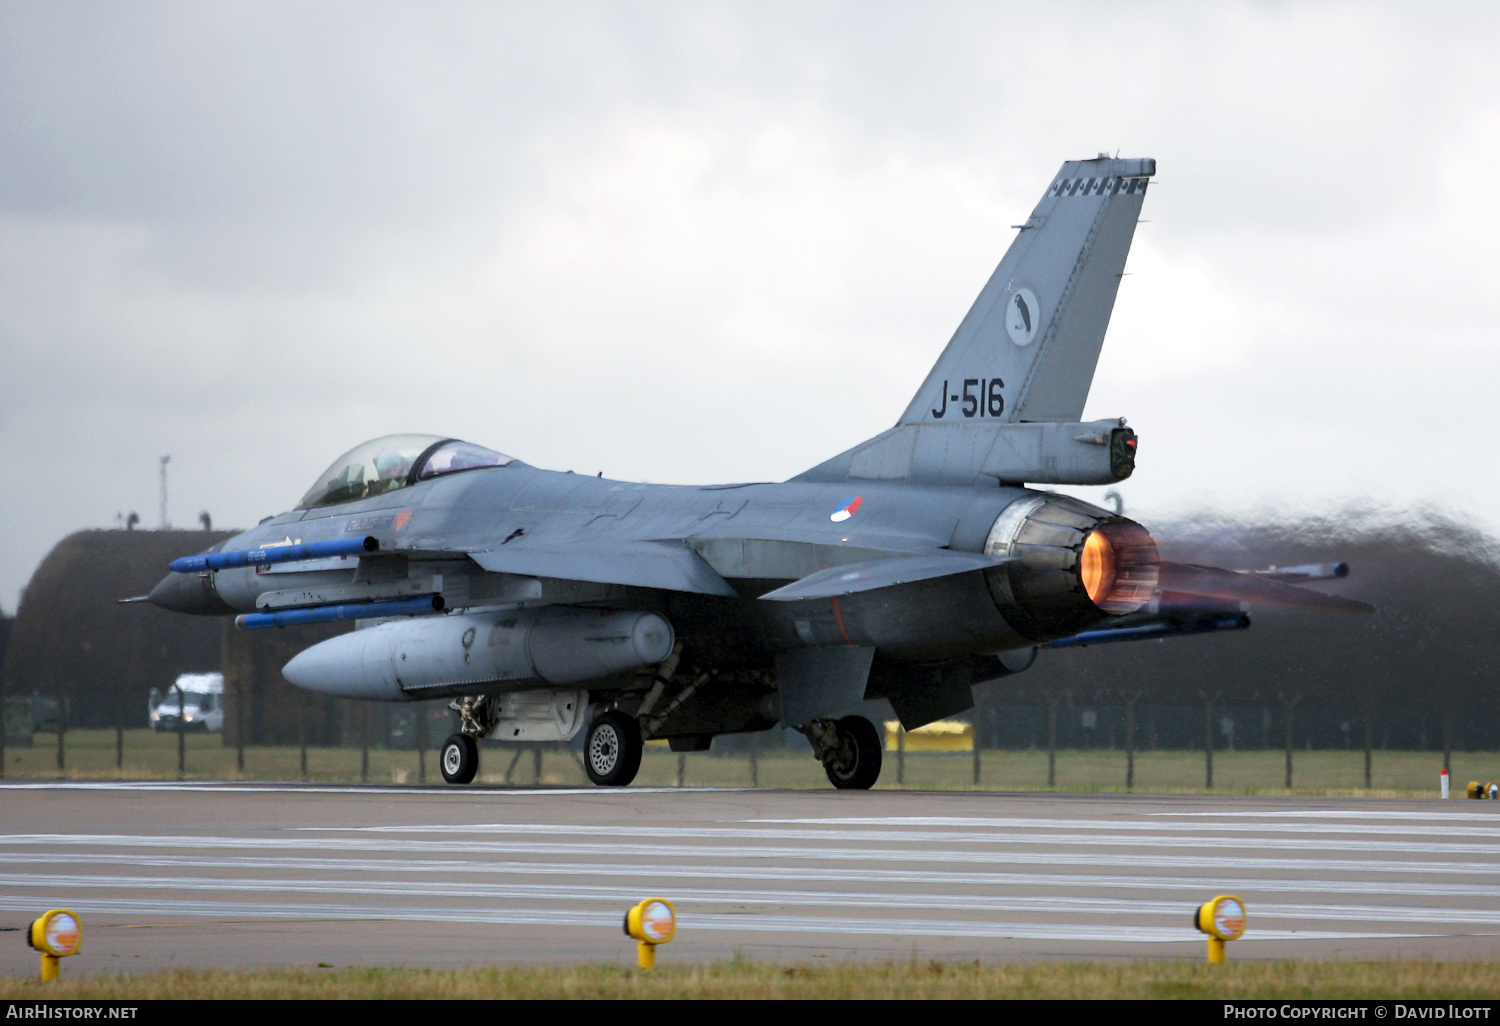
{"type": "Point", "coordinates": [652, 922]}
{"type": "Point", "coordinates": [57, 934]}
{"type": "Point", "coordinates": [1223, 919]}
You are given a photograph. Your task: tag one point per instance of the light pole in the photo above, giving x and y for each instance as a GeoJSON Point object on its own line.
{"type": "Point", "coordinates": [165, 459]}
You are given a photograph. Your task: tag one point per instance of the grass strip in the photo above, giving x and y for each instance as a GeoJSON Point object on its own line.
{"type": "Point", "coordinates": [739, 979]}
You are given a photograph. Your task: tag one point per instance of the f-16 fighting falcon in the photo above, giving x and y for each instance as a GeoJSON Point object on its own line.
{"type": "Point", "coordinates": [918, 563]}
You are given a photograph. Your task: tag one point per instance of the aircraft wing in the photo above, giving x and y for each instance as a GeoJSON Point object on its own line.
{"type": "Point", "coordinates": [636, 564]}
{"type": "Point", "coordinates": [880, 573]}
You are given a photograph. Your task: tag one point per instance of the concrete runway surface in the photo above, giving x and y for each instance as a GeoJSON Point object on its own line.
{"type": "Point", "coordinates": [254, 875]}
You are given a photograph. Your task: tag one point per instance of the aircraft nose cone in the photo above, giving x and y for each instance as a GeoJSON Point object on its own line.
{"type": "Point", "coordinates": [189, 593]}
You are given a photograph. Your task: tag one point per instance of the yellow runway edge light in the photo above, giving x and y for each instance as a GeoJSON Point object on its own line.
{"type": "Point", "coordinates": [56, 935]}
{"type": "Point", "coordinates": [652, 922]}
{"type": "Point", "coordinates": [1223, 919]}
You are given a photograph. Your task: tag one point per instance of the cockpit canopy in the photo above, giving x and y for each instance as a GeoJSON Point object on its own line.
{"type": "Point", "coordinates": [395, 461]}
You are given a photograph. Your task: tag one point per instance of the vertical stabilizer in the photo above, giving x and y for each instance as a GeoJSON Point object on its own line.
{"type": "Point", "coordinates": [1026, 351]}
{"type": "Point", "coordinates": [1039, 323]}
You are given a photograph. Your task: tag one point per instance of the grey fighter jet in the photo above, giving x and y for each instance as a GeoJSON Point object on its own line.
{"type": "Point", "coordinates": [908, 568]}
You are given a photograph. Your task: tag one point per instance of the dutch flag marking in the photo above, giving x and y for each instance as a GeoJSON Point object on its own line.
{"type": "Point", "coordinates": [848, 509]}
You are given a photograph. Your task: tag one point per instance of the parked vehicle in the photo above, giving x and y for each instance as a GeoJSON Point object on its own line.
{"type": "Point", "coordinates": [201, 707]}
{"type": "Point", "coordinates": [44, 713]}
{"type": "Point", "coordinates": [16, 713]}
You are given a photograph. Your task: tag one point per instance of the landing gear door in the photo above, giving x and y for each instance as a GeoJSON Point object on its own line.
{"type": "Point", "coordinates": [818, 683]}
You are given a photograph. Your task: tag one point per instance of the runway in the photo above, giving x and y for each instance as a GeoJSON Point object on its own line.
{"type": "Point", "coordinates": [250, 875]}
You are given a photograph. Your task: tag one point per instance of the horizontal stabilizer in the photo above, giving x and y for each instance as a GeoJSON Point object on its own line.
{"type": "Point", "coordinates": [1213, 585]}
{"type": "Point", "coordinates": [879, 573]}
{"type": "Point", "coordinates": [660, 565]}
{"type": "Point", "coordinates": [1305, 572]}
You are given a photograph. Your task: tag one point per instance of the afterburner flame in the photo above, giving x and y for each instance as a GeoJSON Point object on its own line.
{"type": "Point", "coordinates": [1118, 566]}
{"type": "Point", "coordinates": [1098, 567]}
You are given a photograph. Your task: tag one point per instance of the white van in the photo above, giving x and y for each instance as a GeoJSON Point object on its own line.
{"type": "Point", "coordinates": [202, 703]}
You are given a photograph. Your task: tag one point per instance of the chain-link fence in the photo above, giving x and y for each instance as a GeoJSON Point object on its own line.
{"type": "Point", "coordinates": [1062, 743]}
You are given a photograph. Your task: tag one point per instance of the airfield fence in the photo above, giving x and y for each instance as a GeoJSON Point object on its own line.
{"type": "Point", "coordinates": [1061, 745]}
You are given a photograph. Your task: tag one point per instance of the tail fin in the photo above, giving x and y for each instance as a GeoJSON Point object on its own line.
{"type": "Point", "coordinates": [1039, 323]}
{"type": "Point", "coordinates": [1026, 352]}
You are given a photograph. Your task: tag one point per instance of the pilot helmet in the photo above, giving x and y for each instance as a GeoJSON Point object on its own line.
{"type": "Point", "coordinates": [389, 463]}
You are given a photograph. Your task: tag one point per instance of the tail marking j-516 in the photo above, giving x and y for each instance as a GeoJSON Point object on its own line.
{"type": "Point", "coordinates": [1025, 354]}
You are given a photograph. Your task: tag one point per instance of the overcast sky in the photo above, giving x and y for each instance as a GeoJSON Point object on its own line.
{"type": "Point", "coordinates": [697, 242]}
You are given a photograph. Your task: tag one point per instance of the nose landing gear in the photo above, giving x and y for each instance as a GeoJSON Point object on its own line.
{"type": "Point", "coordinates": [459, 759]}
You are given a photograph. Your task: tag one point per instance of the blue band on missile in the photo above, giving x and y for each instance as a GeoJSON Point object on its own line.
{"type": "Point", "coordinates": [275, 554]}
{"type": "Point", "coordinates": [345, 611]}
{"type": "Point", "coordinates": [1110, 635]}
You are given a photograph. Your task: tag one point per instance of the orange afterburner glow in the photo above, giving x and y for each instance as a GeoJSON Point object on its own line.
{"type": "Point", "coordinates": [1118, 566]}
{"type": "Point", "coordinates": [1098, 567]}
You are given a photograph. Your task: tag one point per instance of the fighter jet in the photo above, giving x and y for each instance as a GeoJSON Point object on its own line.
{"type": "Point", "coordinates": [918, 563]}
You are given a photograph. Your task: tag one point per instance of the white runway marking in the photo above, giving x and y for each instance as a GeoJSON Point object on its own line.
{"type": "Point", "coordinates": [736, 867]}
{"type": "Point", "coordinates": [467, 868]}
{"type": "Point", "coordinates": [910, 822]}
{"type": "Point", "coordinates": [1074, 905]}
{"type": "Point", "coordinates": [1101, 837]}
{"type": "Point", "coordinates": [1341, 814]}
{"type": "Point", "coordinates": [386, 790]}
{"type": "Point", "coordinates": [1211, 860]}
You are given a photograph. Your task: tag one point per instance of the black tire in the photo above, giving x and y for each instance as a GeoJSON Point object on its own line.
{"type": "Point", "coordinates": [612, 750]}
{"type": "Point", "coordinates": [855, 764]}
{"type": "Point", "coordinates": [459, 759]}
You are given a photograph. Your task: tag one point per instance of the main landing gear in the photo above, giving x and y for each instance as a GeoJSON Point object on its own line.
{"type": "Point", "coordinates": [612, 750]}
{"type": "Point", "coordinates": [849, 750]}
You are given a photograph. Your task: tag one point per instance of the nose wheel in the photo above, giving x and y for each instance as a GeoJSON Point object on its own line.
{"type": "Point", "coordinates": [459, 759]}
{"type": "Point", "coordinates": [612, 750]}
{"type": "Point", "coordinates": [852, 760]}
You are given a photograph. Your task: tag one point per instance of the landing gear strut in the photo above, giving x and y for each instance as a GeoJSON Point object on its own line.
{"type": "Point", "coordinates": [459, 759]}
{"type": "Point", "coordinates": [612, 750]}
{"type": "Point", "coordinates": [849, 750]}
{"type": "Point", "coordinates": [459, 756]}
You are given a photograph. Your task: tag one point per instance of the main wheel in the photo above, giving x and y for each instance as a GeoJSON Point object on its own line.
{"type": "Point", "coordinates": [612, 750]}
{"type": "Point", "coordinates": [459, 758]}
{"type": "Point", "coordinates": [854, 764]}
